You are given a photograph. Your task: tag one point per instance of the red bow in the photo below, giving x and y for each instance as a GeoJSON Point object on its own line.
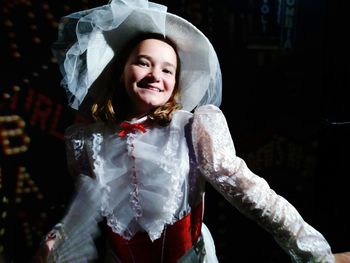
{"type": "Point", "coordinates": [129, 127]}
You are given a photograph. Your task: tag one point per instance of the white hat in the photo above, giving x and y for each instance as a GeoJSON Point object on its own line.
{"type": "Point", "coordinates": [88, 40]}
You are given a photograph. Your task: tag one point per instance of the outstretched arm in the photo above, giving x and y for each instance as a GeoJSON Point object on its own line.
{"type": "Point", "coordinates": [250, 193]}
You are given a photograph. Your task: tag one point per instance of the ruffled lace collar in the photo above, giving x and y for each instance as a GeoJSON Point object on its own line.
{"type": "Point", "coordinates": [142, 175]}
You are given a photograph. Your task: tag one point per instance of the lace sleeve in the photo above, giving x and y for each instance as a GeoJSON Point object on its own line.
{"type": "Point", "coordinates": [74, 236]}
{"type": "Point", "coordinates": [250, 193]}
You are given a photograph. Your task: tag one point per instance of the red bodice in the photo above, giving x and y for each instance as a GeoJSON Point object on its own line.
{"type": "Point", "coordinates": [175, 241]}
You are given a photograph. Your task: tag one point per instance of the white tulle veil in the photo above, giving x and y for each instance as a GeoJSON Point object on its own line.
{"type": "Point", "coordinates": [88, 40]}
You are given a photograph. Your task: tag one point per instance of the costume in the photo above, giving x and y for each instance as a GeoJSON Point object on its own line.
{"type": "Point", "coordinates": [148, 181]}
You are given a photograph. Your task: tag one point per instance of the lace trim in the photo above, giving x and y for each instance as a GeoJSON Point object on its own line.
{"type": "Point", "coordinates": [166, 165]}
{"type": "Point", "coordinates": [250, 193]}
{"type": "Point", "coordinates": [134, 195]}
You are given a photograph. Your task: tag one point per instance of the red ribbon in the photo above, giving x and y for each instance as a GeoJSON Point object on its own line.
{"type": "Point", "coordinates": [129, 127]}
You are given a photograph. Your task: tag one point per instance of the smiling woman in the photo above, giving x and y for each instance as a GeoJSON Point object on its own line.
{"type": "Point", "coordinates": [152, 83]}
{"type": "Point", "coordinates": [149, 78]}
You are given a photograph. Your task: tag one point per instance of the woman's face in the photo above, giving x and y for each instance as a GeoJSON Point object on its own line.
{"type": "Point", "coordinates": [150, 74]}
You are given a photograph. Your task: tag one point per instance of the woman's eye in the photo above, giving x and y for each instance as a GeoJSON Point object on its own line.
{"type": "Point", "coordinates": [167, 71]}
{"type": "Point", "coordinates": [143, 63]}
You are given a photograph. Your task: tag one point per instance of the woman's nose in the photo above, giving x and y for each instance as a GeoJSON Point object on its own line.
{"type": "Point", "coordinates": [154, 74]}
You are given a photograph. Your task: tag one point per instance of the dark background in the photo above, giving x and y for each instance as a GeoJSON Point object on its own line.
{"type": "Point", "coordinates": [285, 68]}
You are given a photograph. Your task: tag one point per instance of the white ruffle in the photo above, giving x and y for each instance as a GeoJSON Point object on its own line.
{"type": "Point", "coordinates": [142, 175]}
{"type": "Point", "coordinates": [74, 242]}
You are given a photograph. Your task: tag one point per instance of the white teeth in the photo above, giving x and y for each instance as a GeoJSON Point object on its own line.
{"type": "Point", "coordinates": [157, 89]}
{"type": "Point", "coordinates": [149, 87]}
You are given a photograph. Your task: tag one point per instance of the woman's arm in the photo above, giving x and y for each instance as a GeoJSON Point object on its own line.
{"type": "Point", "coordinates": [45, 248]}
{"type": "Point", "coordinates": [251, 194]}
{"type": "Point", "coordinates": [343, 257]}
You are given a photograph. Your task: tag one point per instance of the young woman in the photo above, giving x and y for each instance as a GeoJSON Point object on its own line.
{"type": "Point", "coordinates": [153, 84]}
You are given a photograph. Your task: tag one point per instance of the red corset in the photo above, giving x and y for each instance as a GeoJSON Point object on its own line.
{"type": "Point", "coordinates": [175, 240]}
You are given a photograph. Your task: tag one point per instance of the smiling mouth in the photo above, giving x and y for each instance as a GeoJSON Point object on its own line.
{"type": "Point", "coordinates": [149, 87]}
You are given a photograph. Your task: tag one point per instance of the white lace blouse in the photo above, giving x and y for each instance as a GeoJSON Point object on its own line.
{"type": "Point", "coordinates": [146, 180]}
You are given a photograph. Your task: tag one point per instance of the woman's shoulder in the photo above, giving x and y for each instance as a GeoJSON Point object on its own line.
{"type": "Point", "coordinates": [209, 116]}
{"type": "Point", "coordinates": [207, 109]}
{"type": "Point", "coordinates": [199, 116]}
{"type": "Point", "coordinates": [183, 113]}
{"type": "Point", "coordinates": [81, 130]}
{"type": "Point", "coordinates": [203, 109]}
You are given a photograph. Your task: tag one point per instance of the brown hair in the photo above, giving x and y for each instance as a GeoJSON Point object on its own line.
{"type": "Point", "coordinates": [114, 104]}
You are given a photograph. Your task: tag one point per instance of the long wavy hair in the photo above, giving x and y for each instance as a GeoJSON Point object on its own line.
{"type": "Point", "coordinates": [114, 104]}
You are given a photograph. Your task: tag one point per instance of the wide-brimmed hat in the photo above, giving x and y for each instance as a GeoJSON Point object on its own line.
{"type": "Point", "coordinates": [88, 40]}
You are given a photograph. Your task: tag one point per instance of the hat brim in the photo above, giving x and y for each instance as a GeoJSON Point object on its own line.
{"type": "Point", "coordinates": [102, 32]}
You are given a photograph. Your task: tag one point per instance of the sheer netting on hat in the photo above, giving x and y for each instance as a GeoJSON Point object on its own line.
{"type": "Point", "coordinates": [88, 40]}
